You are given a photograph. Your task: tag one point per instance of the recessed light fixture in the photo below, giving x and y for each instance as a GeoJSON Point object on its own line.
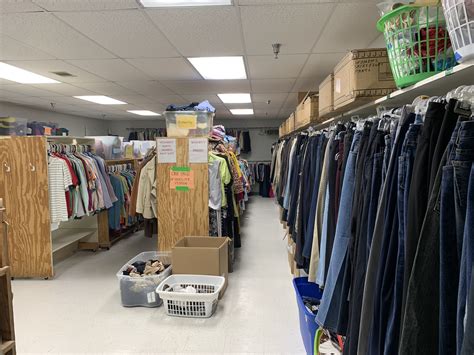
{"type": "Point", "coordinates": [144, 113]}
{"type": "Point", "coordinates": [235, 98]}
{"type": "Point", "coordinates": [100, 99]}
{"type": "Point", "coordinates": [178, 3]}
{"type": "Point", "coordinates": [214, 68]}
{"type": "Point", "coordinates": [242, 111]}
{"type": "Point", "coordinates": [22, 76]}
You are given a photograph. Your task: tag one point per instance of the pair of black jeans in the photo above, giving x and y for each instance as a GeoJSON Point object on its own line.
{"type": "Point", "coordinates": [419, 186]}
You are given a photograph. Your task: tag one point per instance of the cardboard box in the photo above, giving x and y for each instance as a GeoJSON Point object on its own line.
{"type": "Point", "coordinates": [326, 96]}
{"type": "Point", "coordinates": [290, 127]}
{"type": "Point", "coordinates": [307, 111]}
{"type": "Point", "coordinates": [362, 75]}
{"type": "Point", "coordinates": [201, 256]}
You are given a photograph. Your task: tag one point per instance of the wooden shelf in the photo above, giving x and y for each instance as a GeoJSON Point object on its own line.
{"type": "Point", "coordinates": [437, 85]}
{"type": "Point", "coordinates": [7, 346]}
{"type": "Point", "coordinates": [67, 236]}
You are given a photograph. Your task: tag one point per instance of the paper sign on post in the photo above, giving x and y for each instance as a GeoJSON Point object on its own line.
{"type": "Point", "coordinates": [186, 121]}
{"type": "Point", "coordinates": [198, 150]}
{"type": "Point", "coordinates": [166, 150]}
{"type": "Point", "coordinates": [181, 178]}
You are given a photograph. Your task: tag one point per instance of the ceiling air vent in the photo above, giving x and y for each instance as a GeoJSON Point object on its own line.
{"type": "Point", "coordinates": [64, 74]}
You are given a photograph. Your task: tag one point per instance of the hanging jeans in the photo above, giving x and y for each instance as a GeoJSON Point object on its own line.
{"type": "Point", "coordinates": [405, 170]}
{"type": "Point", "coordinates": [466, 303]}
{"type": "Point", "coordinates": [423, 298]}
{"type": "Point", "coordinates": [328, 312]}
{"type": "Point", "coordinates": [454, 198]}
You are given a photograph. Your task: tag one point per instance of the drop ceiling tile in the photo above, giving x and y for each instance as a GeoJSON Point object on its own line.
{"type": "Point", "coordinates": [281, 2]}
{"type": "Point", "coordinates": [360, 18]}
{"type": "Point", "coordinates": [273, 106]}
{"type": "Point", "coordinates": [296, 27]}
{"type": "Point", "coordinates": [86, 5]}
{"type": "Point", "coordinates": [168, 99]}
{"type": "Point", "coordinates": [148, 88]}
{"type": "Point", "coordinates": [201, 31]}
{"type": "Point", "coordinates": [43, 30]}
{"type": "Point", "coordinates": [267, 67]}
{"type": "Point", "coordinates": [110, 69]}
{"type": "Point", "coordinates": [134, 99]}
{"type": "Point", "coordinates": [64, 89]}
{"type": "Point", "coordinates": [379, 42]}
{"type": "Point", "coordinates": [165, 68]}
{"type": "Point", "coordinates": [291, 102]}
{"type": "Point", "coordinates": [28, 90]}
{"type": "Point", "coordinates": [47, 67]}
{"type": "Point", "coordinates": [128, 34]}
{"type": "Point", "coordinates": [273, 97]}
{"type": "Point", "coordinates": [11, 49]}
{"type": "Point", "coordinates": [272, 85]}
{"type": "Point", "coordinates": [108, 89]}
{"type": "Point", "coordinates": [208, 86]}
{"type": "Point", "coordinates": [8, 6]}
{"type": "Point", "coordinates": [5, 94]}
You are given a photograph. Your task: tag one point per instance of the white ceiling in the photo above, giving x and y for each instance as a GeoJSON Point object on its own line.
{"type": "Point", "coordinates": [118, 49]}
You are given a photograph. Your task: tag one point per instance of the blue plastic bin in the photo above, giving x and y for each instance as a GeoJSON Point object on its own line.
{"type": "Point", "coordinates": [308, 324]}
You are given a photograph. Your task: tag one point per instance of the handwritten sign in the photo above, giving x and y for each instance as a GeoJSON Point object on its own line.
{"type": "Point", "coordinates": [186, 121]}
{"type": "Point", "coordinates": [181, 178]}
{"type": "Point", "coordinates": [166, 150]}
{"type": "Point", "coordinates": [198, 150]}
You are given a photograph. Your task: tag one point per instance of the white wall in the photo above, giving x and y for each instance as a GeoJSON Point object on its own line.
{"type": "Point", "coordinates": [77, 125]}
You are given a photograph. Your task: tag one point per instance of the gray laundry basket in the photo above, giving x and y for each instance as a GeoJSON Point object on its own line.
{"type": "Point", "coordinates": [140, 291]}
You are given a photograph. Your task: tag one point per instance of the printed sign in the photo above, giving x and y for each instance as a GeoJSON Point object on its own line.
{"type": "Point", "coordinates": [198, 150]}
{"type": "Point", "coordinates": [166, 150]}
{"type": "Point", "coordinates": [181, 178]}
{"type": "Point", "coordinates": [186, 121]}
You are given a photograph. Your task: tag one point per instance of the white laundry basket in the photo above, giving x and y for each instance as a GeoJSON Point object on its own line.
{"type": "Point", "coordinates": [201, 304]}
{"type": "Point", "coordinates": [459, 16]}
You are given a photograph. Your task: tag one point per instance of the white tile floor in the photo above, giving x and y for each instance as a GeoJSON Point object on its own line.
{"type": "Point", "coordinates": [80, 311]}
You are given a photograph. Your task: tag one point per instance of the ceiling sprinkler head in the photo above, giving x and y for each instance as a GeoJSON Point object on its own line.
{"type": "Point", "coordinates": [53, 105]}
{"type": "Point", "coordinates": [276, 49]}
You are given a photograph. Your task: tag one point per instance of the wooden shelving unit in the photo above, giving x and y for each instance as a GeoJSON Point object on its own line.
{"type": "Point", "coordinates": [7, 330]}
{"type": "Point", "coordinates": [437, 85]}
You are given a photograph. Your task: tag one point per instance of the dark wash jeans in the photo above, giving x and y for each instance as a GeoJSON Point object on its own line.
{"type": "Point", "coordinates": [454, 199]}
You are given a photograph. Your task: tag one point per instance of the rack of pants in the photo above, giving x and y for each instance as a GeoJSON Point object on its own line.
{"type": "Point", "coordinates": [382, 214]}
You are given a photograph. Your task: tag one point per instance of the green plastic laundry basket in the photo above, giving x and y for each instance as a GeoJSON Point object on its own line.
{"type": "Point", "coordinates": [418, 43]}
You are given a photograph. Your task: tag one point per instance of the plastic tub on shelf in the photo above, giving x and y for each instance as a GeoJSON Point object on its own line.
{"type": "Point", "coordinates": [140, 291]}
{"type": "Point", "coordinates": [459, 16]}
{"type": "Point", "coordinates": [200, 304]}
{"type": "Point", "coordinates": [188, 123]}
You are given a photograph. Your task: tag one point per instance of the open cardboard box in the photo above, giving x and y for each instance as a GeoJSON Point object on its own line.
{"type": "Point", "coordinates": [202, 256]}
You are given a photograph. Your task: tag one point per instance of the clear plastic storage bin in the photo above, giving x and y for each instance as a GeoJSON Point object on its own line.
{"type": "Point", "coordinates": [188, 123]}
{"type": "Point", "coordinates": [459, 16]}
{"type": "Point", "coordinates": [13, 126]}
{"type": "Point", "coordinates": [141, 291]}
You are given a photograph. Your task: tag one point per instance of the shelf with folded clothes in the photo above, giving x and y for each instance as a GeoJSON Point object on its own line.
{"type": "Point", "coordinates": [437, 85]}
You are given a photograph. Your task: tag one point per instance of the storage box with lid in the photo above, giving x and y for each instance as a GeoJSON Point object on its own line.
{"type": "Point", "coordinates": [201, 256]}
{"type": "Point", "coordinates": [362, 75]}
{"type": "Point", "coordinates": [188, 123]}
{"type": "Point", "coordinates": [141, 291]}
{"type": "Point", "coordinates": [307, 111]}
{"type": "Point", "coordinates": [326, 96]}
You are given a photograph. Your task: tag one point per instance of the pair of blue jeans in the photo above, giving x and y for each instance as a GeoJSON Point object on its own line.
{"type": "Point", "coordinates": [328, 311]}
{"type": "Point", "coordinates": [405, 171]}
{"type": "Point", "coordinates": [454, 199]}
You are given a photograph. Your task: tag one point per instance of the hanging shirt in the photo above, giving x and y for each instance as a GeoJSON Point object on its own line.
{"type": "Point", "coordinates": [59, 179]}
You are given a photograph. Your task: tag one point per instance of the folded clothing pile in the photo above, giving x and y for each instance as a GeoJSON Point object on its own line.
{"type": "Point", "coordinates": [144, 268]}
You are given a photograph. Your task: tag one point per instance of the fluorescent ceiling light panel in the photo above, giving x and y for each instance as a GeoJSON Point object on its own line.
{"type": "Point", "coordinates": [100, 99]}
{"type": "Point", "coordinates": [242, 111]}
{"type": "Point", "coordinates": [9, 72]}
{"type": "Point", "coordinates": [235, 98]}
{"type": "Point", "coordinates": [215, 68]}
{"type": "Point", "coordinates": [144, 113]}
{"type": "Point", "coordinates": [179, 3]}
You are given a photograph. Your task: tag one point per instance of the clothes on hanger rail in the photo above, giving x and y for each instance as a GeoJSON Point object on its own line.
{"type": "Point", "coordinates": [382, 216]}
